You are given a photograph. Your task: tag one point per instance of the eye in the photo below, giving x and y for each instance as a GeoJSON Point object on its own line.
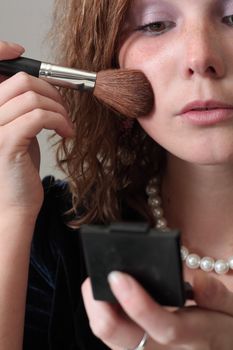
{"type": "Point", "coordinates": [228, 20]}
{"type": "Point", "coordinates": [156, 28]}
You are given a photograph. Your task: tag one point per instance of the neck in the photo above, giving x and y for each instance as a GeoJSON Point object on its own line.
{"type": "Point", "coordinates": [199, 201]}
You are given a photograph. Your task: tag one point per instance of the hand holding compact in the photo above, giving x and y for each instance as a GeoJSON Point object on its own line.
{"type": "Point", "coordinates": [204, 326]}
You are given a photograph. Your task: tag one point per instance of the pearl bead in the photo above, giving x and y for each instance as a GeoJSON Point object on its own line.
{"type": "Point", "coordinates": [154, 201]}
{"type": "Point", "coordinates": [154, 181]}
{"type": "Point", "coordinates": [221, 266]}
{"type": "Point", "coordinates": [230, 262]}
{"type": "Point", "coordinates": [207, 264]}
{"type": "Point", "coordinates": [161, 223]}
{"type": "Point", "coordinates": [193, 261]}
{"type": "Point", "coordinates": [152, 190]}
{"type": "Point", "coordinates": [184, 253]}
{"type": "Point", "coordinates": [158, 213]}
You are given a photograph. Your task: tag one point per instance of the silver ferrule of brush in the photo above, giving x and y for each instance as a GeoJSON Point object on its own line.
{"type": "Point", "coordinates": [67, 77]}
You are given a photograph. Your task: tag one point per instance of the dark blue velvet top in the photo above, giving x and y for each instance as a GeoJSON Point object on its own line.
{"type": "Point", "coordinates": [55, 316]}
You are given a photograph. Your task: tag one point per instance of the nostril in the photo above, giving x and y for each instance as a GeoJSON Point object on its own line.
{"type": "Point", "coordinates": [191, 71]}
{"type": "Point", "coordinates": [211, 70]}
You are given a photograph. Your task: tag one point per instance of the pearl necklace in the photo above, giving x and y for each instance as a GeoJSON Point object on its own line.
{"type": "Point", "coordinates": [192, 260]}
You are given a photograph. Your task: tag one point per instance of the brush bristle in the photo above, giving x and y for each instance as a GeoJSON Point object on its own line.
{"type": "Point", "coordinates": [125, 91]}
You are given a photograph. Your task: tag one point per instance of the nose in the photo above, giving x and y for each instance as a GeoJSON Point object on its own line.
{"type": "Point", "coordinates": [202, 52]}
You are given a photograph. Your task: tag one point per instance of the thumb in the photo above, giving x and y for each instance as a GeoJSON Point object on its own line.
{"type": "Point", "coordinates": [212, 294]}
{"type": "Point", "coordinates": [10, 50]}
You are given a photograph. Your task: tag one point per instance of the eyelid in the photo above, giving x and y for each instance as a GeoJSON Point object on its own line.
{"type": "Point", "coordinates": [146, 28]}
{"type": "Point", "coordinates": [158, 16]}
{"type": "Point", "coordinates": [147, 24]}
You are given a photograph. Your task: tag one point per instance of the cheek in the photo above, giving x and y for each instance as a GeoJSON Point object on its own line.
{"type": "Point", "coordinates": [156, 59]}
{"type": "Point", "coordinates": [145, 53]}
{"type": "Point", "coordinates": [132, 55]}
{"type": "Point", "coordinates": [139, 54]}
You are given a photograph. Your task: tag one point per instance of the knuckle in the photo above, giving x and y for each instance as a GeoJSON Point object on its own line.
{"type": "Point", "coordinates": [24, 79]}
{"type": "Point", "coordinates": [38, 114]}
{"type": "Point", "coordinates": [139, 312]}
{"type": "Point", "coordinates": [32, 98]}
{"type": "Point", "coordinates": [63, 110]}
{"type": "Point", "coordinates": [171, 336]}
{"type": "Point", "coordinates": [104, 327]}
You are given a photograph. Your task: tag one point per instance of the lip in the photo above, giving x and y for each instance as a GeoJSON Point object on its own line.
{"type": "Point", "coordinates": [210, 104]}
{"type": "Point", "coordinates": [207, 112]}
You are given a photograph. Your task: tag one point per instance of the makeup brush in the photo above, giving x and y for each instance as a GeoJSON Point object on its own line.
{"type": "Point", "coordinates": [125, 91]}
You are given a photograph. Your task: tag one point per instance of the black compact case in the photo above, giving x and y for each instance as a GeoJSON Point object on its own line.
{"type": "Point", "coordinates": [150, 255]}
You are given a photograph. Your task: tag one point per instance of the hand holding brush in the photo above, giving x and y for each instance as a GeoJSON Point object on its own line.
{"type": "Point", "coordinates": [125, 91]}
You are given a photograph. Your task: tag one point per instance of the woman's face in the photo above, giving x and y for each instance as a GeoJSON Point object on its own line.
{"type": "Point", "coordinates": [185, 48]}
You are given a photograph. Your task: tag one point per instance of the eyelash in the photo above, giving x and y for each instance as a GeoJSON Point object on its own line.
{"type": "Point", "coordinates": [228, 17]}
{"type": "Point", "coordinates": [148, 28]}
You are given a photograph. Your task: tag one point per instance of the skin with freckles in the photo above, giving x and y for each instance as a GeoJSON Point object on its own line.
{"type": "Point", "coordinates": [185, 48]}
{"type": "Point", "coordinates": [186, 51]}
{"type": "Point", "coordinates": [187, 58]}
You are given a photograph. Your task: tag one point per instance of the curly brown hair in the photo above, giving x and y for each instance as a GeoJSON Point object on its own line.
{"type": "Point", "coordinates": [105, 161]}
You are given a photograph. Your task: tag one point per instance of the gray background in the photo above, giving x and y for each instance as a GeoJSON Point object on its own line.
{"type": "Point", "coordinates": [27, 23]}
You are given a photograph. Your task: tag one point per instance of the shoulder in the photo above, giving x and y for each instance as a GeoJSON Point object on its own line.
{"type": "Point", "coordinates": [53, 239]}
{"type": "Point", "coordinates": [56, 272]}
{"type": "Point", "coordinates": [57, 199]}
{"type": "Point", "coordinates": [56, 251]}
{"type": "Point", "coordinates": [52, 220]}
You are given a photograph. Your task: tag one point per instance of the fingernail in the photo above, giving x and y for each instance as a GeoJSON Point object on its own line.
{"type": "Point", "coordinates": [120, 284]}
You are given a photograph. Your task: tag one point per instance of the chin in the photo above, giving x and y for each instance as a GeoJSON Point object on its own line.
{"type": "Point", "coordinates": [207, 159]}
{"type": "Point", "coordinates": [204, 150]}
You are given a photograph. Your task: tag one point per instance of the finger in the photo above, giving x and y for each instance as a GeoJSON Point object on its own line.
{"type": "Point", "coordinates": [22, 82]}
{"type": "Point", "coordinates": [10, 50]}
{"type": "Point", "coordinates": [159, 323]}
{"type": "Point", "coordinates": [25, 128]}
{"type": "Point", "coordinates": [212, 294]}
{"type": "Point", "coordinates": [26, 103]}
{"type": "Point", "coordinates": [113, 327]}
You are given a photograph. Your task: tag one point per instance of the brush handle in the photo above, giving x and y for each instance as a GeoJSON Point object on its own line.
{"type": "Point", "coordinates": [21, 64]}
{"type": "Point", "coordinates": [55, 75]}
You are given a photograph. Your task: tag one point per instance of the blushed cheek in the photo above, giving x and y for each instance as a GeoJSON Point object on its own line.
{"type": "Point", "coordinates": [133, 56]}
{"type": "Point", "coordinates": [159, 60]}
{"type": "Point", "coordinates": [154, 57]}
{"type": "Point", "coordinates": [138, 54]}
